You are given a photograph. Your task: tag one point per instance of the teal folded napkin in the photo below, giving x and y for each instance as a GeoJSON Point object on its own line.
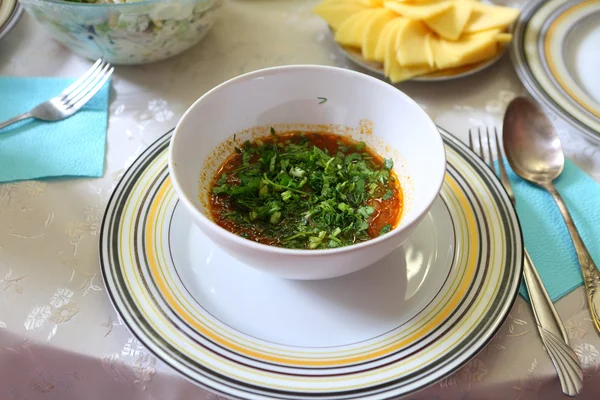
{"type": "Point", "coordinates": [545, 233]}
{"type": "Point", "coordinates": [32, 149]}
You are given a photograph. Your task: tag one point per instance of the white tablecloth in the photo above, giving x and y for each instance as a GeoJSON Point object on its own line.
{"type": "Point", "coordinates": [59, 335]}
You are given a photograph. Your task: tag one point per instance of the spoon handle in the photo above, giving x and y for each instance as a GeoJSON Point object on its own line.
{"type": "Point", "coordinates": [591, 275]}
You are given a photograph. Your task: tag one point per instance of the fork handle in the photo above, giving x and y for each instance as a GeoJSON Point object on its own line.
{"type": "Point", "coordinates": [552, 332]}
{"type": "Point", "coordinates": [15, 119]}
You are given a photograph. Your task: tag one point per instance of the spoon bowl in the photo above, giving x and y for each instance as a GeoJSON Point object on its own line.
{"type": "Point", "coordinates": [533, 148]}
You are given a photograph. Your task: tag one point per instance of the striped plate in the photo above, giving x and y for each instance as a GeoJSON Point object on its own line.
{"type": "Point", "coordinates": [385, 331]}
{"type": "Point", "coordinates": [555, 53]}
{"type": "Point", "coordinates": [10, 11]}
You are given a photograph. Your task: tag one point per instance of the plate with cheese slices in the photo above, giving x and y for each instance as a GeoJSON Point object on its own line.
{"type": "Point", "coordinates": [555, 53]}
{"type": "Point", "coordinates": [419, 40]}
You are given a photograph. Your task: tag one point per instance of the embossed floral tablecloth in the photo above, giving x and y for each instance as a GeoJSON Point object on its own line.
{"type": "Point", "coordinates": [59, 335]}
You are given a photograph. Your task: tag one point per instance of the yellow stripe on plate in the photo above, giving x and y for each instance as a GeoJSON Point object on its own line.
{"type": "Point", "coordinates": [548, 50]}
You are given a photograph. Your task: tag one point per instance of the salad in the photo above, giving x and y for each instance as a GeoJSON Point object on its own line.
{"type": "Point", "coordinates": [126, 31]}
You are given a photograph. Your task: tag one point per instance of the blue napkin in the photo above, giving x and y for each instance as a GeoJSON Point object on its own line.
{"type": "Point", "coordinates": [545, 233]}
{"type": "Point", "coordinates": [34, 149]}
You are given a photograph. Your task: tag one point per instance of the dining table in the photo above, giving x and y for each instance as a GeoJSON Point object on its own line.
{"type": "Point", "coordinates": [60, 337]}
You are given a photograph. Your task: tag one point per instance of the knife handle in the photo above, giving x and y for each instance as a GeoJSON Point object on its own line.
{"type": "Point", "coordinates": [552, 332]}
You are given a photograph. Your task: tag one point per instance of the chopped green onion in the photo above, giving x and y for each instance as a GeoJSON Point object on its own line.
{"type": "Point", "coordinates": [287, 195]}
{"type": "Point", "coordinates": [385, 229]}
{"type": "Point", "coordinates": [388, 163]}
{"type": "Point", "coordinates": [275, 217]}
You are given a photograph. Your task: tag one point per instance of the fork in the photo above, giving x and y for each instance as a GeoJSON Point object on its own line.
{"type": "Point", "coordinates": [72, 98]}
{"type": "Point", "coordinates": [549, 324]}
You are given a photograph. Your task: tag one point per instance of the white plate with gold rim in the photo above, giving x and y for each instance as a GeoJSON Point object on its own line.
{"type": "Point", "coordinates": [10, 12]}
{"type": "Point", "coordinates": [385, 331]}
{"type": "Point", "coordinates": [556, 54]}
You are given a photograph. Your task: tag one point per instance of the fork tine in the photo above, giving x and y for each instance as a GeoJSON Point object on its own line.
{"type": "Point", "coordinates": [77, 105]}
{"type": "Point", "coordinates": [88, 83]}
{"type": "Point", "coordinates": [503, 175]}
{"type": "Point", "coordinates": [481, 153]}
{"type": "Point", "coordinates": [83, 77]}
{"type": "Point", "coordinates": [471, 140]}
{"type": "Point", "coordinates": [89, 86]}
{"type": "Point", "coordinates": [489, 147]}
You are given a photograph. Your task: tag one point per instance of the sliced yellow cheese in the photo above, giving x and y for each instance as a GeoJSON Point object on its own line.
{"type": "Point", "coordinates": [443, 58]}
{"type": "Point", "coordinates": [504, 37]}
{"type": "Point", "coordinates": [487, 16]}
{"type": "Point", "coordinates": [352, 30]}
{"type": "Point", "coordinates": [429, 49]}
{"type": "Point", "coordinates": [489, 32]}
{"type": "Point", "coordinates": [335, 14]}
{"type": "Point", "coordinates": [366, 3]}
{"type": "Point", "coordinates": [451, 23]}
{"type": "Point", "coordinates": [451, 71]}
{"type": "Point", "coordinates": [392, 68]}
{"type": "Point", "coordinates": [389, 61]}
{"type": "Point", "coordinates": [390, 45]}
{"type": "Point", "coordinates": [397, 73]}
{"type": "Point", "coordinates": [485, 53]}
{"type": "Point", "coordinates": [418, 11]}
{"type": "Point", "coordinates": [382, 42]}
{"type": "Point", "coordinates": [371, 3]}
{"type": "Point", "coordinates": [411, 45]}
{"type": "Point", "coordinates": [467, 50]}
{"type": "Point", "coordinates": [418, 1]}
{"type": "Point", "coordinates": [373, 31]}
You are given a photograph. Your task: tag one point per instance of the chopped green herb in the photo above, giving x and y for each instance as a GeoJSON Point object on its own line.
{"type": "Point", "coordinates": [388, 163]}
{"type": "Point", "coordinates": [297, 172]}
{"type": "Point", "coordinates": [223, 189]}
{"type": "Point", "coordinates": [287, 195]}
{"type": "Point", "coordinates": [342, 148]}
{"type": "Point", "coordinates": [222, 179]}
{"type": "Point", "coordinates": [366, 211]}
{"type": "Point", "coordinates": [288, 191]}
{"type": "Point", "coordinates": [385, 229]}
{"type": "Point", "coordinates": [275, 217]}
{"type": "Point", "coordinates": [323, 100]}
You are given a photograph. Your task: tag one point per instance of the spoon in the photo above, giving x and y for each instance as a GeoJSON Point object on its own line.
{"type": "Point", "coordinates": [534, 152]}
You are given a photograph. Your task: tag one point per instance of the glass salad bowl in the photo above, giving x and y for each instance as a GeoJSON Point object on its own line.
{"type": "Point", "coordinates": [126, 32]}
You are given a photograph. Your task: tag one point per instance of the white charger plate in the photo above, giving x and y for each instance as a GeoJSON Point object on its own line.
{"type": "Point", "coordinates": [385, 331]}
{"type": "Point", "coordinates": [556, 54]}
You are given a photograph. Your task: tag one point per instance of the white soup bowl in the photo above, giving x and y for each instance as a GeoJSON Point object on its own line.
{"type": "Point", "coordinates": [308, 98]}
